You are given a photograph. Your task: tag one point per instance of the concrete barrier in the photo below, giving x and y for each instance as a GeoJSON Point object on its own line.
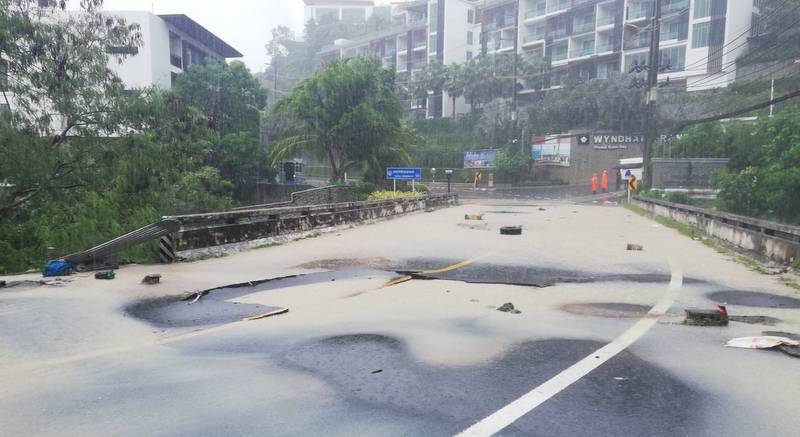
{"type": "Point", "coordinates": [775, 241]}
{"type": "Point", "coordinates": [203, 231]}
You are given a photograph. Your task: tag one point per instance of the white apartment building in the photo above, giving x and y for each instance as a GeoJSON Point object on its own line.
{"type": "Point", "coordinates": [171, 44]}
{"type": "Point", "coordinates": [323, 10]}
{"type": "Point", "coordinates": [586, 39]}
{"type": "Point", "coordinates": [582, 39]}
{"type": "Point", "coordinates": [422, 32]}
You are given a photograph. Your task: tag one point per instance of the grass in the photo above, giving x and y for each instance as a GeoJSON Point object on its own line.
{"type": "Point", "coordinates": [695, 233]}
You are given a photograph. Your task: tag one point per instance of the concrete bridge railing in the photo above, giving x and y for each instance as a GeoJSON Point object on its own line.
{"type": "Point", "coordinates": [199, 231]}
{"type": "Point", "coordinates": [775, 241]}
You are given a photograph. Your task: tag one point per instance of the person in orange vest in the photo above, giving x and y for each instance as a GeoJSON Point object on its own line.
{"type": "Point", "coordinates": [594, 183]}
{"type": "Point", "coordinates": [604, 181]}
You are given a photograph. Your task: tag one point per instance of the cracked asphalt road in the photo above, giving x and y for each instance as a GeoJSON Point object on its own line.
{"type": "Point", "coordinates": [428, 356]}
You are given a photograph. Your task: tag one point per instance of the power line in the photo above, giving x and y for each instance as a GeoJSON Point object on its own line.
{"type": "Point", "coordinates": [712, 77]}
{"type": "Point", "coordinates": [736, 113]}
{"type": "Point", "coordinates": [733, 62]}
{"type": "Point", "coordinates": [746, 31]}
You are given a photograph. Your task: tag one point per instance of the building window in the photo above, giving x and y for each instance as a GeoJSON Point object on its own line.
{"type": "Point", "coordinates": [636, 59]}
{"type": "Point", "coordinates": [3, 75]}
{"type": "Point", "coordinates": [122, 50]}
{"type": "Point", "coordinates": [469, 38]}
{"type": "Point", "coordinates": [471, 16]}
{"type": "Point", "coordinates": [702, 8]}
{"type": "Point", "coordinates": [674, 57]}
{"type": "Point", "coordinates": [469, 55]}
{"type": "Point", "coordinates": [700, 35]}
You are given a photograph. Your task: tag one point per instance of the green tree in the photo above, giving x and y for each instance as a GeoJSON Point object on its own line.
{"type": "Point", "coordinates": [58, 65]}
{"type": "Point", "coordinates": [512, 166]}
{"type": "Point", "coordinates": [230, 97]}
{"type": "Point", "coordinates": [349, 111]}
{"type": "Point", "coordinates": [58, 72]}
{"type": "Point", "coordinates": [768, 185]}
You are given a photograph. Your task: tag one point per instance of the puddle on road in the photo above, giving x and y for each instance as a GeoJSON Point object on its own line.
{"type": "Point", "coordinates": [753, 299]}
{"type": "Point", "coordinates": [607, 309]}
{"type": "Point", "coordinates": [213, 309]}
{"type": "Point", "coordinates": [376, 372]}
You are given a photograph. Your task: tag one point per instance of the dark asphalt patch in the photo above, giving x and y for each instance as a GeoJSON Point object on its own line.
{"type": "Point", "coordinates": [212, 308]}
{"type": "Point", "coordinates": [534, 276]}
{"type": "Point", "coordinates": [753, 299]}
{"type": "Point", "coordinates": [507, 212]}
{"type": "Point", "coordinates": [607, 309]}
{"type": "Point", "coordinates": [755, 320]}
{"type": "Point", "coordinates": [446, 400]}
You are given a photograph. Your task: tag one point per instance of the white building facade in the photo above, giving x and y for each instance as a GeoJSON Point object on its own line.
{"type": "Point", "coordinates": [700, 40]}
{"type": "Point", "coordinates": [171, 44]}
{"type": "Point", "coordinates": [324, 10]}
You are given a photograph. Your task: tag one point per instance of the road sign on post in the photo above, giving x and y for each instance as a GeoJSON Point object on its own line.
{"type": "Point", "coordinates": [395, 174]}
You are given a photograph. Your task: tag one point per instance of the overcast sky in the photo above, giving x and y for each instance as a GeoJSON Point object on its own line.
{"type": "Point", "coordinates": [244, 24]}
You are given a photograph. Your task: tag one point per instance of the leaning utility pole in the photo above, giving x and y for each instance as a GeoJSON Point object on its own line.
{"type": "Point", "coordinates": [653, 66]}
{"type": "Point", "coordinates": [514, 117]}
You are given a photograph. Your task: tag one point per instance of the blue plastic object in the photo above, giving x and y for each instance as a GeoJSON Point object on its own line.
{"type": "Point", "coordinates": [58, 267]}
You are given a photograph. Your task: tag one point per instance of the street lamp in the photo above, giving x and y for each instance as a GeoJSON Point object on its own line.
{"type": "Point", "coordinates": [449, 174]}
{"type": "Point", "coordinates": [433, 175]}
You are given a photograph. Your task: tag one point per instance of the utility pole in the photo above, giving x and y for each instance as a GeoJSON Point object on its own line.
{"type": "Point", "coordinates": [653, 66]}
{"type": "Point", "coordinates": [275, 80]}
{"type": "Point", "coordinates": [514, 133]}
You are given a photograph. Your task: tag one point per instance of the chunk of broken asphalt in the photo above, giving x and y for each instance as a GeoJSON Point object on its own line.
{"type": "Point", "coordinates": [508, 307]}
{"type": "Point", "coordinates": [637, 247]}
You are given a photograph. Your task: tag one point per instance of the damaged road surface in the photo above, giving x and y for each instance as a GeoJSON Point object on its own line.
{"type": "Point", "coordinates": [413, 326]}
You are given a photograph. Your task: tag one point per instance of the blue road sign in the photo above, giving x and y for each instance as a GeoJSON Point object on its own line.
{"type": "Point", "coordinates": [404, 174]}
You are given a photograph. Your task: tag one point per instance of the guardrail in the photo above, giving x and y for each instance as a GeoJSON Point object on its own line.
{"type": "Point", "coordinates": [776, 241]}
{"type": "Point", "coordinates": [185, 233]}
{"type": "Point", "coordinates": [199, 231]}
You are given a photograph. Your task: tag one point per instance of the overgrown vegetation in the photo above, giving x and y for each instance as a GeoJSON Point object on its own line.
{"type": "Point", "coordinates": [119, 160]}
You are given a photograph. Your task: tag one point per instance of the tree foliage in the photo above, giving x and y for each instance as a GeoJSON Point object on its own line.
{"type": "Point", "coordinates": [349, 111]}
{"type": "Point", "coordinates": [768, 183]}
{"type": "Point", "coordinates": [229, 96]}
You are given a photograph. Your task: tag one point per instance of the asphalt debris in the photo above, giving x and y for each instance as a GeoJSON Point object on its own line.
{"type": "Point", "coordinates": [508, 307]}
{"type": "Point", "coordinates": [635, 247]}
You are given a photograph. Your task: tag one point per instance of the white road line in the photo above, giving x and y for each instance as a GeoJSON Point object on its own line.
{"type": "Point", "coordinates": [512, 412]}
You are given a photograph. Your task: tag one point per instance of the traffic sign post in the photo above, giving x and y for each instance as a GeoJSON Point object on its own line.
{"type": "Point", "coordinates": [412, 174]}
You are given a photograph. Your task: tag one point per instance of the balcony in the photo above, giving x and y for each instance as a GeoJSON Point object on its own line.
{"type": "Point", "coordinates": [558, 33]}
{"type": "Point", "coordinates": [557, 5]}
{"type": "Point", "coordinates": [666, 36]}
{"type": "Point", "coordinates": [537, 36]}
{"type": "Point", "coordinates": [583, 27]}
{"type": "Point", "coordinates": [559, 55]}
{"type": "Point", "coordinates": [420, 45]}
{"type": "Point", "coordinates": [176, 61]}
{"type": "Point", "coordinates": [640, 10]}
{"type": "Point", "coordinates": [674, 6]}
{"type": "Point", "coordinates": [605, 20]}
{"type": "Point", "coordinates": [604, 48]}
{"type": "Point", "coordinates": [539, 10]}
{"type": "Point", "coordinates": [588, 51]}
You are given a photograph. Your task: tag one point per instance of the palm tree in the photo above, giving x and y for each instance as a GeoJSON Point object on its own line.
{"type": "Point", "coordinates": [454, 83]}
{"type": "Point", "coordinates": [348, 111]}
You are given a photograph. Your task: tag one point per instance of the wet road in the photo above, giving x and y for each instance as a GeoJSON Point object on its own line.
{"type": "Point", "coordinates": [393, 329]}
